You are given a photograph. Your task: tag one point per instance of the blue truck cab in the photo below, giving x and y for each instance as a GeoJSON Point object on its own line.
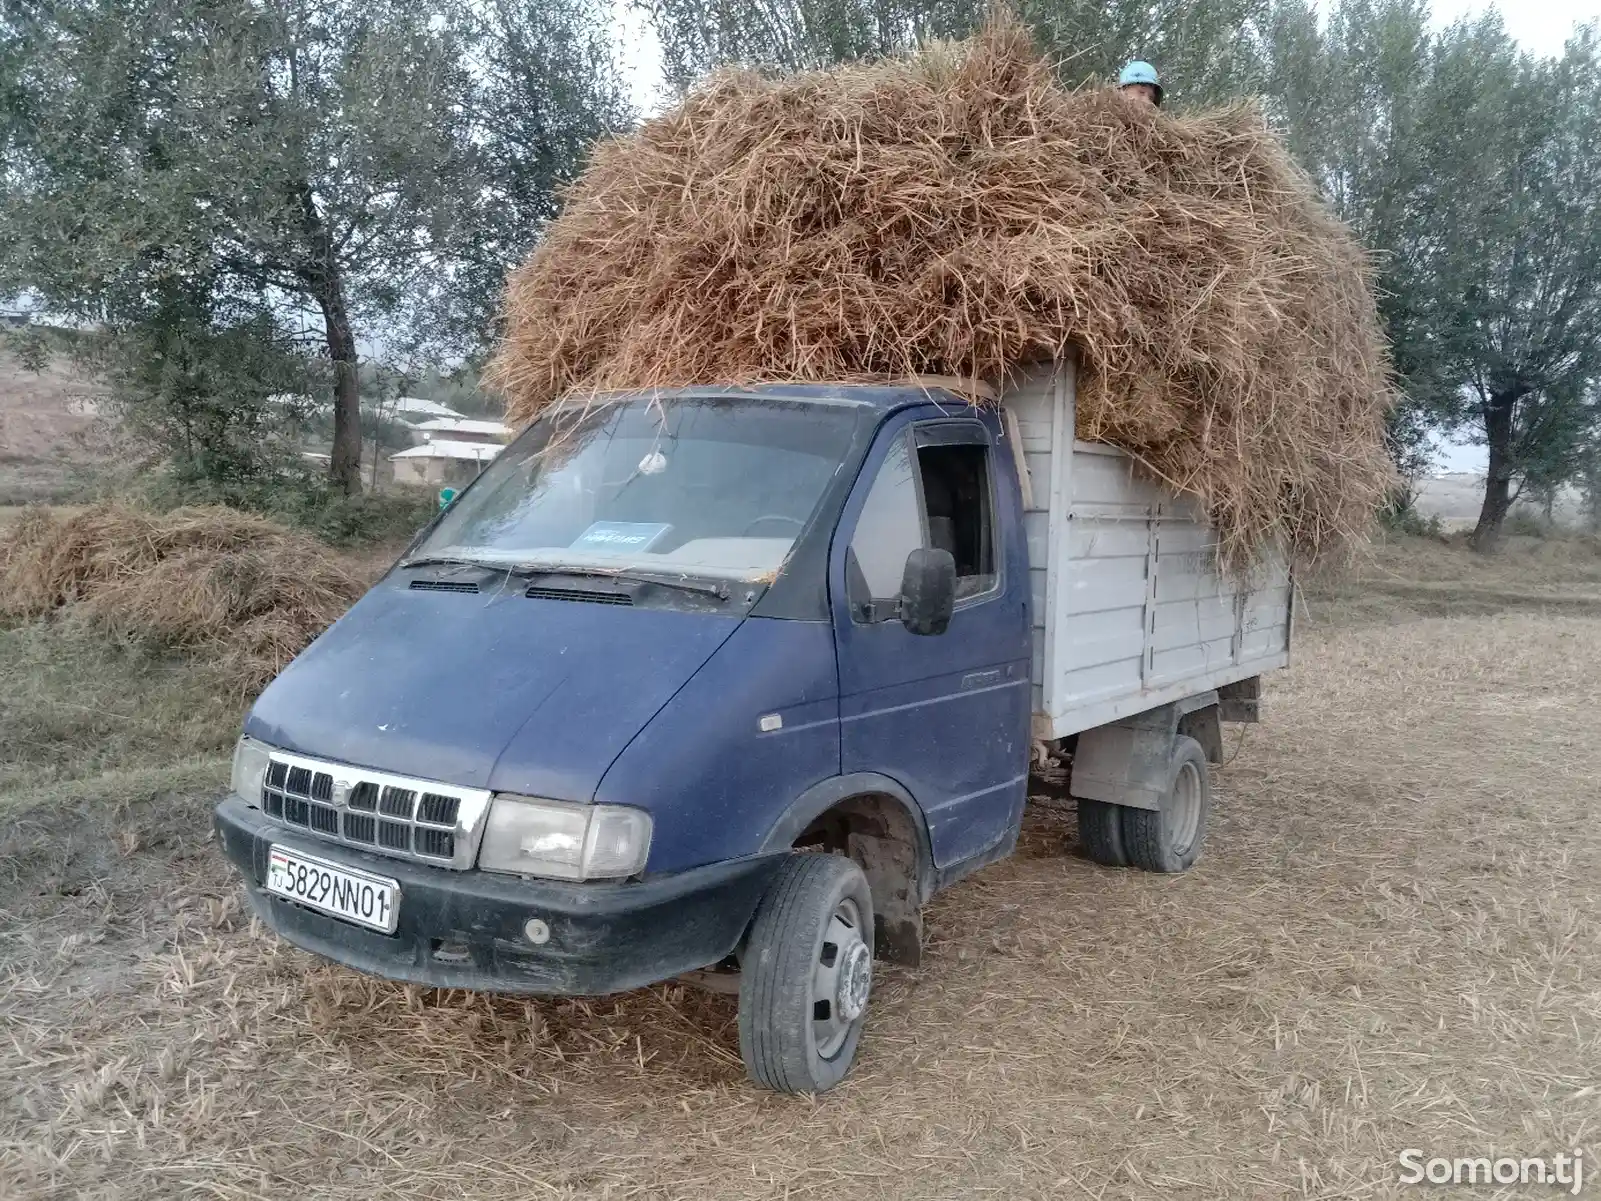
{"type": "Point", "coordinates": [723, 682]}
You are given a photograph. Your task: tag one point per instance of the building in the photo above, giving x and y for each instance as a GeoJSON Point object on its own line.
{"type": "Point", "coordinates": [443, 461]}
{"type": "Point", "coordinates": [414, 409]}
{"type": "Point", "coordinates": [463, 429]}
{"type": "Point", "coordinates": [410, 409]}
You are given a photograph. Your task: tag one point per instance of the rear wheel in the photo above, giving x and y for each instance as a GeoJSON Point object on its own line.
{"type": "Point", "coordinates": [806, 975]}
{"type": "Point", "coordinates": [1169, 839]}
{"type": "Point", "coordinates": [1100, 832]}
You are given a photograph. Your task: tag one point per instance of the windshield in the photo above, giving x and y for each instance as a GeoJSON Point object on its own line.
{"type": "Point", "coordinates": [709, 486]}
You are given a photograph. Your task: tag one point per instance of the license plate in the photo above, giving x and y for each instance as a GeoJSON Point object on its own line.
{"type": "Point", "coordinates": [355, 896]}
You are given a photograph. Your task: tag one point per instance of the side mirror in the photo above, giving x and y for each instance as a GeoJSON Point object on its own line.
{"type": "Point", "coordinates": [928, 590]}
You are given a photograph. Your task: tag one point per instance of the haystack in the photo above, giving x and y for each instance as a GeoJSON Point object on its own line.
{"type": "Point", "coordinates": [243, 590]}
{"type": "Point", "coordinates": [960, 213]}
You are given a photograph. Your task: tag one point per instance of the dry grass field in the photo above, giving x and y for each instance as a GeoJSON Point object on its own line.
{"type": "Point", "coordinates": [1393, 941]}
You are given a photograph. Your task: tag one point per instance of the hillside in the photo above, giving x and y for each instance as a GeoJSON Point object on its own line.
{"type": "Point", "coordinates": [43, 418]}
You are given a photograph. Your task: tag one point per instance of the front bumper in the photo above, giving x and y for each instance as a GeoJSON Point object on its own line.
{"type": "Point", "coordinates": [464, 929]}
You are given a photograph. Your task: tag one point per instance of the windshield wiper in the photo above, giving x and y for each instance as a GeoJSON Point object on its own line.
{"type": "Point", "coordinates": [516, 569]}
{"type": "Point", "coordinates": [441, 561]}
{"type": "Point", "coordinates": [525, 570]}
{"type": "Point", "coordinates": [719, 589]}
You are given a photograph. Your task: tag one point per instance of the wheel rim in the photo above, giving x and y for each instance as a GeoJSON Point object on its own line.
{"type": "Point", "coordinates": [842, 978]}
{"type": "Point", "coordinates": [1184, 811]}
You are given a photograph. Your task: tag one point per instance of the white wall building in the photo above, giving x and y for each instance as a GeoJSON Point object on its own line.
{"type": "Point", "coordinates": [443, 461]}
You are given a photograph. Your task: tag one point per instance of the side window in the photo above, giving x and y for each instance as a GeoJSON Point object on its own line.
{"type": "Point", "coordinates": [943, 501]}
{"type": "Point", "coordinates": [956, 497]}
{"type": "Point", "coordinates": [889, 529]}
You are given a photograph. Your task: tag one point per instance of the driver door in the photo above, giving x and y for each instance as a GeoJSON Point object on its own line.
{"type": "Point", "coordinates": [946, 715]}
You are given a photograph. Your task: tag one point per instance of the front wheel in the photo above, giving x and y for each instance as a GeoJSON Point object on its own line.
{"type": "Point", "coordinates": [806, 975]}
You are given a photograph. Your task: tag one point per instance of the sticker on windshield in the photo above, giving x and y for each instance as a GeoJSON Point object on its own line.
{"type": "Point", "coordinates": [621, 536]}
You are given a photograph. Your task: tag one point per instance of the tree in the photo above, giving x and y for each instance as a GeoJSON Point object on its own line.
{"type": "Point", "coordinates": [1210, 49]}
{"type": "Point", "coordinates": [212, 389]}
{"type": "Point", "coordinates": [1349, 94]}
{"type": "Point", "coordinates": [548, 89]}
{"type": "Point", "coordinates": [1514, 213]}
{"type": "Point", "coordinates": [304, 157]}
{"type": "Point", "coordinates": [1588, 478]}
{"type": "Point", "coordinates": [698, 36]}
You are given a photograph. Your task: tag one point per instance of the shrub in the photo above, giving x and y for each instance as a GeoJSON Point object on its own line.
{"type": "Point", "coordinates": [1410, 521]}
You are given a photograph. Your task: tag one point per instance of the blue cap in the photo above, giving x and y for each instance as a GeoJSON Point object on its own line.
{"type": "Point", "coordinates": [1140, 72]}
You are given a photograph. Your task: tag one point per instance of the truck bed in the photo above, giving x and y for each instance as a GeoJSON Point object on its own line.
{"type": "Point", "coordinates": [1129, 609]}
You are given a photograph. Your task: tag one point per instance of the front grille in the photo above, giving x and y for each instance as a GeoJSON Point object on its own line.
{"type": "Point", "coordinates": [593, 596]}
{"type": "Point", "coordinates": [390, 815]}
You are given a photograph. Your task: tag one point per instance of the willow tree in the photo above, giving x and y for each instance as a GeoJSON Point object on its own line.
{"type": "Point", "coordinates": [1208, 49]}
{"type": "Point", "coordinates": [366, 169]}
{"type": "Point", "coordinates": [1514, 206]}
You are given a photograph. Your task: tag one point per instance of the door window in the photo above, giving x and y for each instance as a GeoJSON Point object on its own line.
{"type": "Point", "coordinates": [938, 497]}
{"type": "Point", "coordinates": [956, 498]}
{"type": "Point", "coordinates": [889, 529]}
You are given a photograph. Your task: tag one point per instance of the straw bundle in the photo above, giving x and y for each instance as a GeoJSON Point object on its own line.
{"type": "Point", "coordinates": [240, 588]}
{"type": "Point", "coordinates": [960, 213]}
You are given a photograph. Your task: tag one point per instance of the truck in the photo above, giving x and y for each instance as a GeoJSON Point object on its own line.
{"type": "Point", "coordinates": [724, 683]}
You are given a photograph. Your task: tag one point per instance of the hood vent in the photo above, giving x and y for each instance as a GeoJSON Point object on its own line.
{"type": "Point", "coordinates": [593, 596]}
{"type": "Point", "coordinates": [444, 586]}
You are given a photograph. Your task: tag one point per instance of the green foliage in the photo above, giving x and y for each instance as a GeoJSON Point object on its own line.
{"type": "Point", "coordinates": [1405, 519]}
{"type": "Point", "coordinates": [1525, 522]}
{"type": "Point", "coordinates": [309, 158]}
{"type": "Point", "coordinates": [1514, 200]}
{"type": "Point", "coordinates": [1589, 482]}
{"type": "Point", "coordinates": [371, 518]}
{"type": "Point", "coordinates": [548, 88]}
{"type": "Point", "coordinates": [302, 499]}
{"type": "Point", "coordinates": [342, 166]}
{"type": "Point", "coordinates": [1209, 49]}
{"type": "Point", "coordinates": [200, 388]}
{"type": "Point", "coordinates": [1350, 94]}
{"type": "Point", "coordinates": [31, 348]}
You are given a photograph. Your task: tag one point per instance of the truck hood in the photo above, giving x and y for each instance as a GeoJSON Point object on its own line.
{"type": "Point", "coordinates": [485, 691]}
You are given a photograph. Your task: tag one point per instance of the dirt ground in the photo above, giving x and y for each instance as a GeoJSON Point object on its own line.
{"type": "Point", "coordinates": [1393, 941]}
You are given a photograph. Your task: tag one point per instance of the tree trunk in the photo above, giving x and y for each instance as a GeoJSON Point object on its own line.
{"type": "Point", "coordinates": [344, 469]}
{"type": "Point", "coordinates": [326, 283]}
{"type": "Point", "coordinates": [1498, 480]}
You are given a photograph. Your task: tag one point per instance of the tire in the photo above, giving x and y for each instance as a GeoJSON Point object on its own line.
{"type": "Point", "coordinates": [810, 946]}
{"type": "Point", "coordinates": [1169, 839]}
{"type": "Point", "coordinates": [1100, 833]}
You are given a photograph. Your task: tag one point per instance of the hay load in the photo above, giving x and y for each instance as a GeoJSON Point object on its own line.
{"type": "Point", "coordinates": [239, 588]}
{"type": "Point", "coordinates": [960, 213]}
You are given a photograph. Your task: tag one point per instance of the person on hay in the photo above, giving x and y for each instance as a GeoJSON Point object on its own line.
{"type": "Point", "coordinates": [1140, 80]}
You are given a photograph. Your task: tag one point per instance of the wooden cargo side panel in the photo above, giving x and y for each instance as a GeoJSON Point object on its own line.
{"type": "Point", "coordinates": [1127, 607]}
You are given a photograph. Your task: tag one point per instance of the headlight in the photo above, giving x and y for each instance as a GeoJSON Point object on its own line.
{"type": "Point", "coordinates": [249, 770]}
{"type": "Point", "coordinates": [531, 837]}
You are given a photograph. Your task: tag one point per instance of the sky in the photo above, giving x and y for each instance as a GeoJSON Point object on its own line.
{"type": "Point", "coordinates": [1541, 26]}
